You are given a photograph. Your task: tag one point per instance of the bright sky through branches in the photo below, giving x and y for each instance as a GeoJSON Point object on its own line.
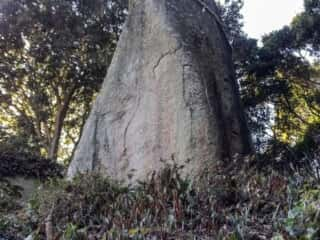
{"type": "Point", "coordinates": [264, 16]}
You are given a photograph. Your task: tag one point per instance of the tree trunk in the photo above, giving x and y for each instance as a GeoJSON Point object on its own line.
{"type": "Point", "coordinates": [170, 93]}
{"type": "Point", "coordinates": [58, 125]}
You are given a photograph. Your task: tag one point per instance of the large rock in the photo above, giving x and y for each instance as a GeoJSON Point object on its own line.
{"type": "Point", "coordinates": [170, 93]}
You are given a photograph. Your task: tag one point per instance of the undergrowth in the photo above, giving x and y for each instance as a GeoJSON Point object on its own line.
{"type": "Point", "coordinates": [167, 206]}
{"type": "Point", "coordinates": [236, 203]}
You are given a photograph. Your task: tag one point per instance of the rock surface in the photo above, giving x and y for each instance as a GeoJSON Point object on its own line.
{"type": "Point", "coordinates": [27, 186]}
{"type": "Point", "coordinates": [170, 93]}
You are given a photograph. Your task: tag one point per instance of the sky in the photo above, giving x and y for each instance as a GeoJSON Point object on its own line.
{"type": "Point", "coordinates": [264, 16]}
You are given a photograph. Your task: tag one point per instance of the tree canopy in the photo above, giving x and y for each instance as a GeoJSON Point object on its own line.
{"type": "Point", "coordinates": [54, 57]}
{"type": "Point", "coordinates": [280, 84]}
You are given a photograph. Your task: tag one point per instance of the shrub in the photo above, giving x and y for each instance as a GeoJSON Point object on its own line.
{"type": "Point", "coordinates": [303, 220]}
{"type": "Point", "coordinates": [14, 164]}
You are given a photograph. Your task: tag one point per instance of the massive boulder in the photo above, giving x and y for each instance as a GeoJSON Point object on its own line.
{"type": "Point", "coordinates": [170, 93]}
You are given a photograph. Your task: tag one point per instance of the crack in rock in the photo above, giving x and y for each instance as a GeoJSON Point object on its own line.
{"type": "Point", "coordinates": [130, 120]}
{"type": "Point", "coordinates": [164, 55]}
{"type": "Point", "coordinates": [186, 102]}
{"type": "Point", "coordinates": [95, 143]}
